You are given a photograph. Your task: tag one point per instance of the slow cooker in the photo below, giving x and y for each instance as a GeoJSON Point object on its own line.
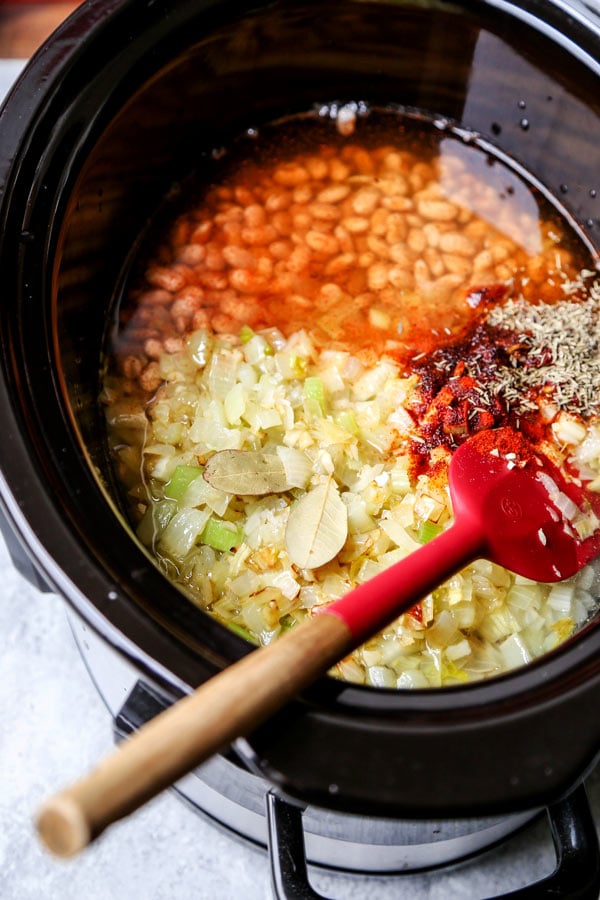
{"type": "Point", "coordinates": [121, 103]}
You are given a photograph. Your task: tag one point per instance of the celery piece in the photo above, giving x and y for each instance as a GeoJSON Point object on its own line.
{"type": "Point", "coordinates": [181, 479]}
{"type": "Point", "coordinates": [221, 535]}
{"type": "Point", "coordinates": [242, 632]}
{"type": "Point", "coordinates": [314, 395]}
{"type": "Point", "coordinates": [347, 420]}
{"type": "Point", "coordinates": [287, 622]}
{"type": "Point", "coordinates": [246, 334]}
{"type": "Point", "coordinates": [428, 531]}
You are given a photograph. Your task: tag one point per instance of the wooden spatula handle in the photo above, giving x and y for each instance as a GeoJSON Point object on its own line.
{"type": "Point", "coordinates": [227, 706]}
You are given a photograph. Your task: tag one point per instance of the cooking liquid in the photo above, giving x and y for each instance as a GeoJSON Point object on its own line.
{"type": "Point", "coordinates": [383, 236]}
{"type": "Point", "coordinates": [420, 228]}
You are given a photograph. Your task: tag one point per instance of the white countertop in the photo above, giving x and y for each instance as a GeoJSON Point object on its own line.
{"type": "Point", "coordinates": [55, 726]}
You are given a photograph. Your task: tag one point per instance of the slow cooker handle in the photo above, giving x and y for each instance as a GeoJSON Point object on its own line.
{"type": "Point", "coordinates": [576, 876]}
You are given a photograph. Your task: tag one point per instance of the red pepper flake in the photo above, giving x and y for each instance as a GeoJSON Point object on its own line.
{"type": "Point", "coordinates": [460, 390]}
{"type": "Point", "coordinates": [505, 442]}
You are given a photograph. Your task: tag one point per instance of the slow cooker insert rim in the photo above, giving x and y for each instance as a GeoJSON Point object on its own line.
{"type": "Point", "coordinates": [525, 684]}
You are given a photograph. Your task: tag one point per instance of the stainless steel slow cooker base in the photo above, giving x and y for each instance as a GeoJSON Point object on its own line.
{"type": "Point", "coordinates": [237, 800]}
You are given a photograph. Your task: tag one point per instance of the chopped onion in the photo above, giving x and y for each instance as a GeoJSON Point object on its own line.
{"type": "Point", "coordinates": [252, 398]}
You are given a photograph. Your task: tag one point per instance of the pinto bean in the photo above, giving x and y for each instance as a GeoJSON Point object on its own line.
{"type": "Point", "coordinates": [281, 249]}
{"type": "Point", "coordinates": [158, 297]}
{"type": "Point", "coordinates": [334, 194]}
{"type": "Point", "coordinates": [224, 324]}
{"type": "Point", "coordinates": [131, 367]}
{"type": "Point", "coordinates": [398, 204]}
{"type": "Point", "coordinates": [377, 276]}
{"type": "Point", "coordinates": [239, 257]}
{"type": "Point", "coordinates": [457, 264]}
{"type": "Point", "coordinates": [317, 168]}
{"type": "Point", "coordinates": [416, 240]}
{"type": "Point", "coordinates": [338, 170]}
{"type": "Point", "coordinates": [366, 201]}
{"type": "Point", "coordinates": [150, 378]}
{"type": "Point", "coordinates": [283, 223]}
{"type": "Point", "coordinates": [186, 305]}
{"type": "Point", "coordinates": [246, 310]}
{"type": "Point", "coordinates": [247, 281]}
{"type": "Point", "coordinates": [457, 244]}
{"type": "Point", "coordinates": [290, 175]}
{"type": "Point", "coordinates": [202, 232]}
{"type": "Point", "coordinates": [169, 279]}
{"type": "Point", "coordinates": [277, 201]}
{"type": "Point", "coordinates": [322, 243]}
{"type": "Point", "coordinates": [214, 258]}
{"type": "Point", "coordinates": [340, 263]}
{"type": "Point", "coordinates": [190, 254]}
{"type": "Point", "coordinates": [378, 246]}
{"type": "Point", "coordinates": [437, 210]}
{"type": "Point", "coordinates": [327, 212]}
{"type": "Point", "coordinates": [356, 224]}
{"type": "Point", "coordinates": [259, 235]}
{"type": "Point", "coordinates": [434, 262]}
{"type": "Point", "coordinates": [399, 278]}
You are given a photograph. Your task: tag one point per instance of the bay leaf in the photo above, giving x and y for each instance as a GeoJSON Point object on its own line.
{"type": "Point", "coordinates": [246, 472]}
{"type": "Point", "coordinates": [317, 527]}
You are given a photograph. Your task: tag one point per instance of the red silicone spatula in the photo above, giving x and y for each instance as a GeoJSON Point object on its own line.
{"type": "Point", "coordinates": [510, 506]}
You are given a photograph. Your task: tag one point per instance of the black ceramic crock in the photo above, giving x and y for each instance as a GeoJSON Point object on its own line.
{"type": "Point", "coordinates": [119, 105]}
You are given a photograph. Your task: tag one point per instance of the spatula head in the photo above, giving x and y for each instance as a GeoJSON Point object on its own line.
{"type": "Point", "coordinates": [520, 501]}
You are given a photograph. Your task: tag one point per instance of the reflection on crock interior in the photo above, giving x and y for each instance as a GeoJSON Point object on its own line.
{"type": "Point", "coordinates": [303, 342]}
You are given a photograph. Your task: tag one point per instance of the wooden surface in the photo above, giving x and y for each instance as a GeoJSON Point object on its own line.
{"type": "Point", "coordinates": [24, 26]}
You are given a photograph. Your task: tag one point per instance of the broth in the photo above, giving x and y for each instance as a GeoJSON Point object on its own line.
{"type": "Point", "coordinates": [341, 301]}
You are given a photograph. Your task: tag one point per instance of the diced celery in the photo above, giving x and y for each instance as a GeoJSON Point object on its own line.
{"type": "Point", "coordinates": [428, 531]}
{"type": "Point", "coordinates": [181, 479]}
{"type": "Point", "coordinates": [347, 420]}
{"type": "Point", "coordinates": [246, 334]}
{"type": "Point", "coordinates": [314, 396]}
{"type": "Point", "coordinates": [287, 622]}
{"type": "Point", "coordinates": [221, 535]}
{"type": "Point", "coordinates": [242, 632]}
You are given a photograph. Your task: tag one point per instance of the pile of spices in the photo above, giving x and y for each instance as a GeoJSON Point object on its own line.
{"type": "Point", "coordinates": [560, 353]}
{"type": "Point", "coordinates": [516, 360]}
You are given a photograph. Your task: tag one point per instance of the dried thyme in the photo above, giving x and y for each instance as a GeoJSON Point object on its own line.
{"type": "Point", "coordinates": [560, 351]}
